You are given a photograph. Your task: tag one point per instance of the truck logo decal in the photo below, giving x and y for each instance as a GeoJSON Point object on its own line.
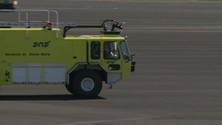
{"type": "Point", "coordinates": [41, 44]}
{"type": "Point", "coordinates": [110, 62]}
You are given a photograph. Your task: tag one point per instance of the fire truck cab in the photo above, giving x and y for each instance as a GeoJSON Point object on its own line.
{"type": "Point", "coordinates": [37, 53]}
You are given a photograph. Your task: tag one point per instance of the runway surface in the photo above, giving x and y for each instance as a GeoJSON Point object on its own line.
{"type": "Point", "coordinates": [178, 77]}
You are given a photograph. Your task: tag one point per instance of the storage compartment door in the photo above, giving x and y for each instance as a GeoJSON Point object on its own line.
{"type": "Point", "coordinates": [54, 75]}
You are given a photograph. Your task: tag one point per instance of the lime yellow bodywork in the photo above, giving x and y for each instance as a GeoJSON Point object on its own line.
{"type": "Point", "coordinates": [40, 45]}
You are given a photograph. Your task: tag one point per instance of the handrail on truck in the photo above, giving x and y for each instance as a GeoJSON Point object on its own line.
{"type": "Point", "coordinates": [27, 17]}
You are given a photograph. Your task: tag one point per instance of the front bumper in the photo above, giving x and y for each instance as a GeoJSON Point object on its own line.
{"type": "Point", "coordinates": [133, 66]}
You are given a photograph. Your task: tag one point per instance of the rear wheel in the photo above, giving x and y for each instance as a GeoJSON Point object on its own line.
{"type": "Point", "coordinates": [86, 84]}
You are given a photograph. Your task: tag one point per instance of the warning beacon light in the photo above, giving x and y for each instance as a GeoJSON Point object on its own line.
{"type": "Point", "coordinates": [49, 25]}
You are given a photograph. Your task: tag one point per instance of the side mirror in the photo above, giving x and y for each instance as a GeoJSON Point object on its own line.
{"type": "Point", "coordinates": [132, 56]}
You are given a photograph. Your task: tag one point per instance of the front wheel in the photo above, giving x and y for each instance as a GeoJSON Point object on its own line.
{"type": "Point", "coordinates": [86, 84]}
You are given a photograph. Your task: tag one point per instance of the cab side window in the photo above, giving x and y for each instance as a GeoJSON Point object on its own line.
{"type": "Point", "coordinates": [95, 50]}
{"type": "Point", "coordinates": [111, 50]}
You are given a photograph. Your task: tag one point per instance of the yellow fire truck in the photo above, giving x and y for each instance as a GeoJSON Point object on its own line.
{"type": "Point", "coordinates": [38, 53]}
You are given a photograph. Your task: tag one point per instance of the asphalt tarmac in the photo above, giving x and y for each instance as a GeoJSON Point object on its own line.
{"type": "Point", "coordinates": [178, 77]}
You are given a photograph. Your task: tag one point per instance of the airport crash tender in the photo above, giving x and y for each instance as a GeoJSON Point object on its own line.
{"type": "Point", "coordinates": [35, 53]}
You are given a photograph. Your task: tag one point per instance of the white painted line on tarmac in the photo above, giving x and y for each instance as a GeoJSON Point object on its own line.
{"type": "Point", "coordinates": [102, 121]}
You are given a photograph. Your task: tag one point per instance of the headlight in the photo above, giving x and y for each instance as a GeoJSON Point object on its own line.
{"type": "Point", "coordinates": [15, 2]}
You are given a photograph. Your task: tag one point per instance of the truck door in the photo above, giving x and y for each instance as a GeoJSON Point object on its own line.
{"type": "Point", "coordinates": [111, 61]}
{"type": "Point", "coordinates": [107, 55]}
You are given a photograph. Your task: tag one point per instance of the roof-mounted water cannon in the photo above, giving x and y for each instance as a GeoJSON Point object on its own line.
{"type": "Point", "coordinates": [117, 25]}
{"type": "Point", "coordinates": [105, 31]}
{"type": "Point", "coordinates": [112, 31]}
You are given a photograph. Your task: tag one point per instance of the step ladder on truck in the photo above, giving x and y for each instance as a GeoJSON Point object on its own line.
{"type": "Point", "coordinates": [35, 53]}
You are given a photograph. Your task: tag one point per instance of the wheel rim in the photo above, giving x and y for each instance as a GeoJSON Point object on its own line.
{"type": "Point", "coordinates": [87, 84]}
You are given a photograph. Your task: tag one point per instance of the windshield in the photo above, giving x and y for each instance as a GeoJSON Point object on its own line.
{"type": "Point", "coordinates": [124, 50]}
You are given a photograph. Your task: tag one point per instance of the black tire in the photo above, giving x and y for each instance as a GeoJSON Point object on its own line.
{"type": "Point", "coordinates": [86, 84]}
{"type": "Point", "coordinates": [69, 88]}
